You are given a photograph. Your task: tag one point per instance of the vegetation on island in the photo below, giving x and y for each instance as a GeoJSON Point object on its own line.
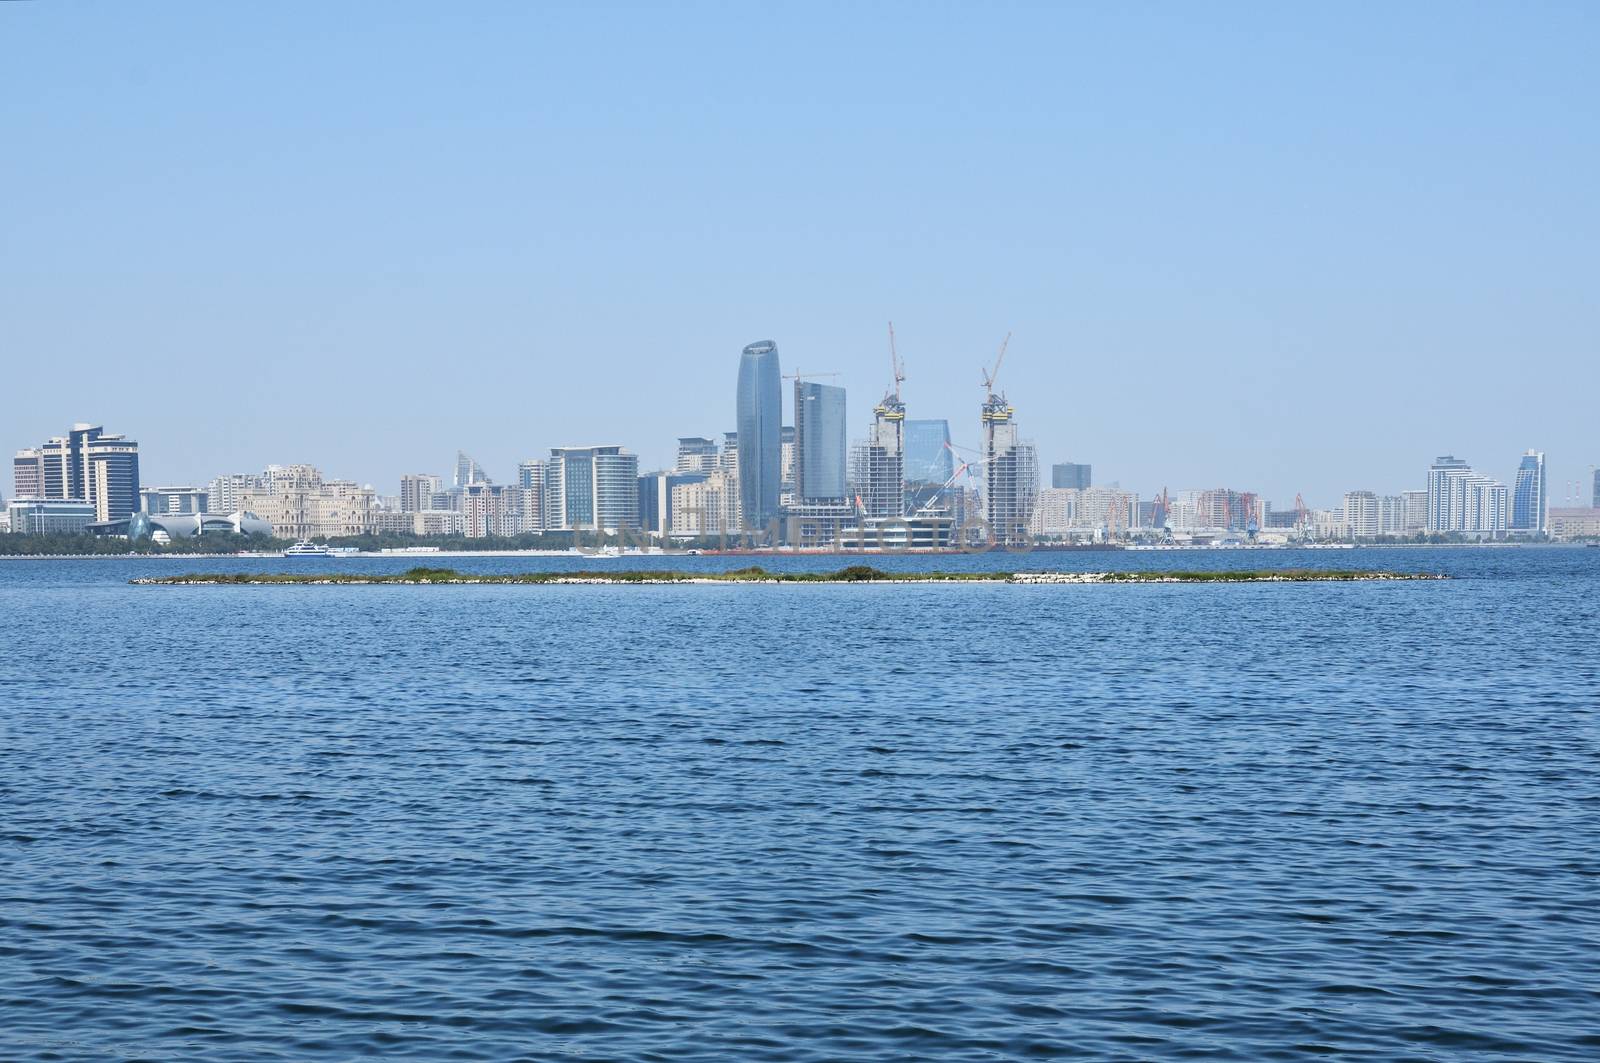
{"type": "Point", "coordinates": [756, 574]}
{"type": "Point", "coordinates": [57, 545]}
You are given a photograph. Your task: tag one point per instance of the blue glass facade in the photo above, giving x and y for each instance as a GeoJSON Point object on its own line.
{"type": "Point", "coordinates": [928, 452]}
{"type": "Point", "coordinates": [819, 441]}
{"type": "Point", "coordinates": [760, 422]}
{"type": "Point", "coordinates": [1527, 494]}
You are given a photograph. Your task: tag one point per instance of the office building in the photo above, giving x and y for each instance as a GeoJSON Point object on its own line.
{"type": "Point", "coordinates": [1529, 501]}
{"type": "Point", "coordinates": [1594, 498]}
{"type": "Point", "coordinates": [86, 465]}
{"type": "Point", "coordinates": [1069, 474]}
{"type": "Point", "coordinates": [760, 434]}
{"type": "Point", "coordinates": [49, 516]}
{"type": "Point", "coordinates": [819, 442]}
{"type": "Point", "coordinates": [27, 473]}
{"type": "Point", "coordinates": [300, 504]}
{"type": "Point", "coordinates": [1463, 501]}
{"type": "Point", "coordinates": [591, 488]}
{"type": "Point", "coordinates": [657, 491]}
{"type": "Point", "coordinates": [158, 500]}
{"type": "Point", "coordinates": [928, 457]}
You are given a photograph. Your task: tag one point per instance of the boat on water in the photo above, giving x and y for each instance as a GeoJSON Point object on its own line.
{"type": "Point", "coordinates": [307, 548]}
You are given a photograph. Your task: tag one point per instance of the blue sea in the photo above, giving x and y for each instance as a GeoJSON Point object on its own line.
{"type": "Point", "coordinates": [808, 822]}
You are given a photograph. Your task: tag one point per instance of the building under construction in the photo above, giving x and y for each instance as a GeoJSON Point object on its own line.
{"type": "Point", "coordinates": [1010, 465]}
{"type": "Point", "coordinates": [880, 462]}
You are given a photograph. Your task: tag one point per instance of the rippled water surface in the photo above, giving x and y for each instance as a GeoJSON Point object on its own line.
{"type": "Point", "coordinates": [803, 822]}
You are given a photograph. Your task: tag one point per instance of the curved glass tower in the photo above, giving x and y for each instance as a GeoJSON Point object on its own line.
{"type": "Point", "coordinates": [760, 423]}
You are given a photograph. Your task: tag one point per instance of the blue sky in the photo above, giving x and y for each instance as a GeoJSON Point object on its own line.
{"type": "Point", "coordinates": [1266, 246]}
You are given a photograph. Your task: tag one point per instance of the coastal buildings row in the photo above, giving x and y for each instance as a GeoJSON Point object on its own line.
{"type": "Point", "coordinates": [800, 483]}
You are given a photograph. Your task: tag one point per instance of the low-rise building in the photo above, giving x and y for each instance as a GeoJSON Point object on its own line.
{"type": "Point", "coordinates": [1574, 523]}
{"type": "Point", "coordinates": [49, 516]}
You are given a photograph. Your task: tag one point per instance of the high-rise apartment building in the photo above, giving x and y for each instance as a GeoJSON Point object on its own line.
{"type": "Point", "coordinates": [1529, 502]}
{"type": "Point", "coordinates": [1070, 474]}
{"type": "Point", "coordinates": [1464, 501]}
{"type": "Point", "coordinates": [1361, 514]}
{"type": "Point", "coordinates": [591, 488]}
{"type": "Point", "coordinates": [697, 454]}
{"type": "Point", "coordinates": [760, 433]}
{"type": "Point", "coordinates": [417, 490]}
{"type": "Point", "coordinates": [225, 494]}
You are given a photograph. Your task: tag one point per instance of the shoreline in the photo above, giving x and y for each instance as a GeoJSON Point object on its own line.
{"type": "Point", "coordinates": [852, 574]}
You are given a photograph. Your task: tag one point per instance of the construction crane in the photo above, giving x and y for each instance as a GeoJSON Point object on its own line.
{"type": "Point", "coordinates": [895, 364]}
{"type": "Point", "coordinates": [797, 375]}
{"type": "Point", "coordinates": [990, 375]}
{"type": "Point", "coordinates": [1302, 516]}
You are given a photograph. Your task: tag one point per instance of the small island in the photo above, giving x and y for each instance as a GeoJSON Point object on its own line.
{"type": "Point", "coordinates": [850, 574]}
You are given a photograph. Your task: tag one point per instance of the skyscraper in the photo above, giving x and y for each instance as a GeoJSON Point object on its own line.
{"type": "Point", "coordinates": [1069, 474]}
{"type": "Point", "coordinates": [1529, 503]}
{"type": "Point", "coordinates": [468, 471]}
{"type": "Point", "coordinates": [89, 466]}
{"type": "Point", "coordinates": [760, 425]}
{"type": "Point", "coordinates": [819, 442]}
{"type": "Point", "coordinates": [1462, 500]}
{"type": "Point", "coordinates": [928, 458]}
{"type": "Point", "coordinates": [1011, 472]}
{"type": "Point", "coordinates": [879, 473]}
{"type": "Point", "coordinates": [1594, 499]}
{"type": "Point", "coordinates": [591, 487]}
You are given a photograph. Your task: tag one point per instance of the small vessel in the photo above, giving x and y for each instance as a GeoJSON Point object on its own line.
{"type": "Point", "coordinates": [307, 548]}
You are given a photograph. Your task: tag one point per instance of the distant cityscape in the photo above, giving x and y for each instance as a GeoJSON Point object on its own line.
{"type": "Point", "coordinates": [771, 481]}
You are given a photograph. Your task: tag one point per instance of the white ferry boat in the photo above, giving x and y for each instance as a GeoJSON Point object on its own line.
{"type": "Point", "coordinates": [307, 548]}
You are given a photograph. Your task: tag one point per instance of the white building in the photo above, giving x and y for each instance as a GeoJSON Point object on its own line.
{"type": "Point", "coordinates": [1361, 515]}
{"type": "Point", "coordinates": [1464, 501]}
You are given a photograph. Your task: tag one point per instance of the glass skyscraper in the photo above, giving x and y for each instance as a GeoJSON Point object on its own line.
{"type": "Point", "coordinates": [928, 452]}
{"type": "Point", "coordinates": [1528, 502]}
{"type": "Point", "coordinates": [760, 426]}
{"type": "Point", "coordinates": [819, 442]}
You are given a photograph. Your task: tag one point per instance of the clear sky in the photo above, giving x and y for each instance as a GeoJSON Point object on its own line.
{"type": "Point", "coordinates": [1276, 247]}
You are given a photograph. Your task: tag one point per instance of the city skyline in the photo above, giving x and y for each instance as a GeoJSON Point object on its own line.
{"type": "Point", "coordinates": [1210, 234]}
